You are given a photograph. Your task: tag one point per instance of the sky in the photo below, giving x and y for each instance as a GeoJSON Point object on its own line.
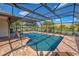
{"type": "Point", "coordinates": [42, 10]}
{"type": "Point", "coordinates": [64, 20]}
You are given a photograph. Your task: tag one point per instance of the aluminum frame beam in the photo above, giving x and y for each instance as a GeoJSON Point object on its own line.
{"type": "Point", "coordinates": [26, 9]}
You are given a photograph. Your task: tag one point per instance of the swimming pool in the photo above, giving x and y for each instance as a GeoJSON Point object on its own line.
{"type": "Point", "coordinates": [43, 42]}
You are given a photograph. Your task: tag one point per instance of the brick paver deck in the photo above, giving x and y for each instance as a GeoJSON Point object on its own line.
{"type": "Point", "coordinates": [17, 47]}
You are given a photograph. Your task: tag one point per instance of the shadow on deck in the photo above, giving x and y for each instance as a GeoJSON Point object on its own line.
{"type": "Point", "coordinates": [17, 47]}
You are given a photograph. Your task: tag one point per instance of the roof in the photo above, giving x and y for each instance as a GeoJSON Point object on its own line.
{"type": "Point", "coordinates": [43, 11]}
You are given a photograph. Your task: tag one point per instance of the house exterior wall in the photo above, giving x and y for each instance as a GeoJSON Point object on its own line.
{"type": "Point", "coordinates": [4, 26]}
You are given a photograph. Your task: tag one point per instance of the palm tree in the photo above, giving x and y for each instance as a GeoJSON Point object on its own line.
{"type": "Point", "coordinates": [77, 26]}
{"type": "Point", "coordinates": [48, 25]}
{"type": "Point", "coordinates": [16, 25]}
{"type": "Point", "coordinates": [62, 27]}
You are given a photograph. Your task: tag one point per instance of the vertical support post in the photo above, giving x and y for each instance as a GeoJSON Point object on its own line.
{"type": "Point", "coordinates": [52, 24]}
{"type": "Point", "coordinates": [9, 30]}
{"type": "Point", "coordinates": [9, 33]}
{"type": "Point", "coordinates": [73, 19]}
{"type": "Point", "coordinates": [46, 28]}
{"type": "Point", "coordinates": [22, 33]}
{"type": "Point", "coordinates": [41, 26]}
{"type": "Point", "coordinates": [61, 25]}
{"type": "Point", "coordinates": [36, 28]}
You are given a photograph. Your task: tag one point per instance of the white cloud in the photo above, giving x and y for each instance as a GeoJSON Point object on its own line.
{"type": "Point", "coordinates": [23, 13]}
{"type": "Point", "coordinates": [62, 4]}
{"type": "Point", "coordinates": [57, 20]}
{"type": "Point", "coordinates": [75, 19]}
{"type": "Point", "coordinates": [38, 23]}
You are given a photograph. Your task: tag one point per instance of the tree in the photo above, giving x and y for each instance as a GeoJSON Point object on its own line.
{"type": "Point", "coordinates": [16, 25]}
{"type": "Point", "coordinates": [62, 27]}
{"type": "Point", "coordinates": [47, 25]}
{"type": "Point", "coordinates": [77, 25]}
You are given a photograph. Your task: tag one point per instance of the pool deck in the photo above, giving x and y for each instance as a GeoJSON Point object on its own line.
{"type": "Point", "coordinates": [16, 47]}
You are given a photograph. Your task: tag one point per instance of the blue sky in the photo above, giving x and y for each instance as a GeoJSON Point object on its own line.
{"type": "Point", "coordinates": [8, 9]}
{"type": "Point", "coordinates": [42, 10]}
{"type": "Point", "coordinates": [64, 20]}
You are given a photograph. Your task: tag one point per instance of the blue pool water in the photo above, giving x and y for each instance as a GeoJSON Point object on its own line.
{"type": "Point", "coordinates": [43, 42]}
